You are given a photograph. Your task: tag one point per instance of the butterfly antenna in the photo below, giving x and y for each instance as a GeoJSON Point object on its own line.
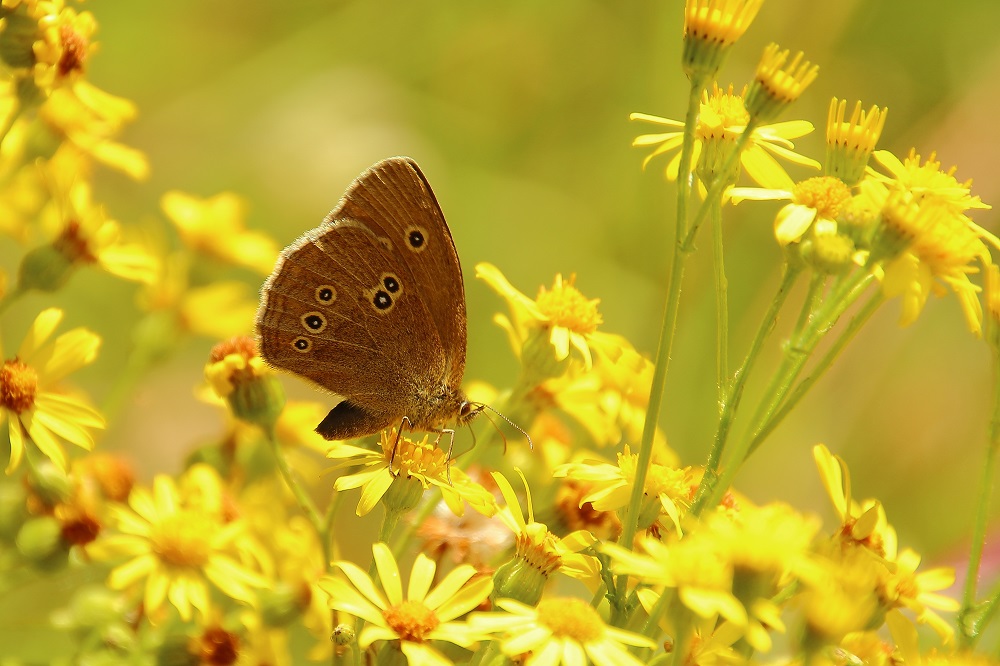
{"type": "Point", "coordinates": [531, 445]}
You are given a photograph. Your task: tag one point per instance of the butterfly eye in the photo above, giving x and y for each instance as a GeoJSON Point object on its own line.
{"type": "Point", "coordinates": [416, 238]}
{"type": "Point", "coordinates": [325, 293]}
{"type": "Point", "coordinates": [314, 321]}
{"type": "Point", "coordinates": [302, 344]}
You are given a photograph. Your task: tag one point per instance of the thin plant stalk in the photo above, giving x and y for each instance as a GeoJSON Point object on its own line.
{"type": "Point", "coordinates": [968, 631]}
{"type": "Point", "coordinates": [721, 309]}
{"type": "Point", "coordinates": [788, 275]}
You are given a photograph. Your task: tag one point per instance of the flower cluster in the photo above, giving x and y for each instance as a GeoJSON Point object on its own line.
{"type": "Point", "coordinates": [571, 531]}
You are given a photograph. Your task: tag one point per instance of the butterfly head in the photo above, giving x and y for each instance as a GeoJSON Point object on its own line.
{"type": "Point", "coordinates": [468, 411]}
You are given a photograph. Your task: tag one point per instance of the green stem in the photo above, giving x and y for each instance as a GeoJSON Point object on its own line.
{"type": "Point", "coordinates": [298, 491]}
{"type": "Point", "coordinates": [721, 309]}
{"type": "Point", "coordinates": [788, 276]}
{"type": "Point", "coordinates": [797, 353]}
{"type": "Point", "coordinates": [667, 328]}
{"type": "Point", "coordinates": [8, 299]}
{"type": "Point", "coordinates": [969, 631]}
{"type": "Point", "coordinates": [793, 398]}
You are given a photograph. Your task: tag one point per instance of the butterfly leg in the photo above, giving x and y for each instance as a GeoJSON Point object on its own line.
{"type": "Point", "coordinates": [451, 447]}
{"type": "Point", "coordinates": [395, 445]}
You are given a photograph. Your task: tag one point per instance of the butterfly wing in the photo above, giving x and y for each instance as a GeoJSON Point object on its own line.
{"type": "Point", "coordinates": [394, 199]}
{"type": "Point", "coordinates": [342, 311]}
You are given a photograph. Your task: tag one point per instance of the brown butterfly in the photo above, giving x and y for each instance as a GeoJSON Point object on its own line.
{"type": "Point", "coordinates": [370, 305]}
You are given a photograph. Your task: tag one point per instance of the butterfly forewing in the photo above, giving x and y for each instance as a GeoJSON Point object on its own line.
{"type": "Point", "coordinates": [394, 199]}
{"type": "Point", "coordinates": [327, 315]}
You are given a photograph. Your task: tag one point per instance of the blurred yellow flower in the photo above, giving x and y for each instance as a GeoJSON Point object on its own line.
{"type": "Point", "coordinates": [408, 623]}
{"type": "Point", "coordinates": [565, 317]}
{"type": "Point", "coordinates": [560, 630]}
{"type": "Point", "coordinates": [35, 409]}
{"type": "Point", "coordinates": [180, 545]}
{"type": "Point", "coordinates": [215, 226]}
{"type": "Point", "coordinates": [722, 119]}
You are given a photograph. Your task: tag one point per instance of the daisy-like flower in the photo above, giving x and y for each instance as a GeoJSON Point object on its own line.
{"type": "Point", "coordinates": [56, 41]}
{"type": "Point", "coordinates": [926, 180]}
{"type": "Point", "coordinates": [668, 489]}
{"type": "Point", "coordinates": [722, 119]}
{"type": "Point", "coordinates": [711, 27]}
{"type": "Point", "coordinates": [850, 143]}
{"type": "Point", "coordinates": [926, 246]}
{"type": "Point", "coordinates": [403, 467]}
{"type": "Point", "coordinates": [180, 546]}
{"type": "Point", "coordinates": [537, 552]}
{"type": "Point", "coordinates": [217, 310]}
{"type": "Point", "coordinates": [702, 577]}
{"type": "Point", "coordinates": [86, 119]}
{"type": "Point", "coordinates": [778, 82]}
{"type": "Point", "coordinates": [815, 205]}
{"type": "Point", "coordinates": [864, 526]}
{"type": "Point", "coordinates": [562, 316]}
{"type": "Point", "coordinates": [84, 236]}
{"type": "Point", "coordinates": [36, 411]}
{"type": "Point", "coordinates": [248, 385]}
{"type": "Point", "coordinates": [901, 586]}
{"type": "Point", "coordinates": [215, 226]}
{"type": "Point", "coordinates": [412, 622]}
{"type": "Point", "coordinates": [560, 630]}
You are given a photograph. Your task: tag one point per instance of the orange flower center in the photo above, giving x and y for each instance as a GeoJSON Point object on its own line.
{"type": "Point", "coordinates": [571, 618]}
{"type": "Point", "coordinates": [244, 345]}
{"type": "Point", "coordinates": [825, 194]}
{"type": "Point", "coordinates": [74, 50]}
{"type": "Point", "coordinates": [219, 647]}
{"type": "Point", "coordinates": [183, 539]}
{"type": "Point", "coordinates": [72, 244]}
{"type": "Point", "coordinates": [18, 386]}
{"type": "Point", "coordinates": [411, 620]}
{"type": "Point", "coordinates": [565, 306]}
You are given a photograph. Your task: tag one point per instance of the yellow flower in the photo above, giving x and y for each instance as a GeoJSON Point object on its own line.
{"type": "Point", "coordinates": [902, 587]}
{"type": "Point", "coordinates": [36, 411]}
{"type": "Point", "coordinates": [722, 119]}
{"type": "Point", "coordinates": [248, 385]}
{"type": "Point", "coordinates": [926, 244]}
{"type": "Point", "coordinates": [850, 143]}
{"type": "Point", "coordinates": [711, 27]}
{"type": "Point", "coordinates": [611, 487]}
{"type": "Point", "coordinates": [62, 44]}
{"type": "Point", "coordinates": [86, 119]}
{"type": "Point", "coordinates": [538, 553]}
{"type": "Point", "coordinates": [409, 623]}
{"type": "Point", "coordinates": [406, 466]}
{"type": "Point", "coordinates": [702, 576]}
{"type": "Point", "coordinates": [84, 236]}
{"type": "Point", "coordinates": [218, 310]}
{"type": "Point", "coordinates": [777, 83]}
{"type": "Point", "coordinates": [926, 180]}
{"type": "Point", "coordinates": [215, 226]}
{"type": "Point", "coordinates": [560, 630]}
{"type": "Point", "coordinates": [815, 205]}
{"type": "Point", "coordinates": [859, 525]}
{"type": "Point", "coordinates": [564, 316]}
{"type": "Point", "coordinates": [180, 545]}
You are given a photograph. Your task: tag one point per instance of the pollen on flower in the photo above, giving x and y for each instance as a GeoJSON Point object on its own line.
{"type": "Point", "coordinates": [411, 620]}
{"type": "Point", "coordinates": [18, 386]}
{"type": "Point", "coordinates": [825, 194]}
{"type": "Point", "coordinates": [422, 458]}
{"type": "Point", "coordinates": [571, 618]}
{"type": "Point", "coordinates": [183, 539]}
{"type": "Point", "coordinates": [243, 345]}
{"type": "Point", "coordinates": [73, 244]}
{"type": "Point", "coordinates": [720, 110]}
{"type": "Point", "coordinates": [218, 647]}
{"type": "Point", "coordinates": [566, 307]}
{"type": "Point", "coordinates": [75, 48]}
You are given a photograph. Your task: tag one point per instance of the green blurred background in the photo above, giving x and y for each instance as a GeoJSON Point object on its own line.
{"type": "Point", "coordinates": [518, 114]}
